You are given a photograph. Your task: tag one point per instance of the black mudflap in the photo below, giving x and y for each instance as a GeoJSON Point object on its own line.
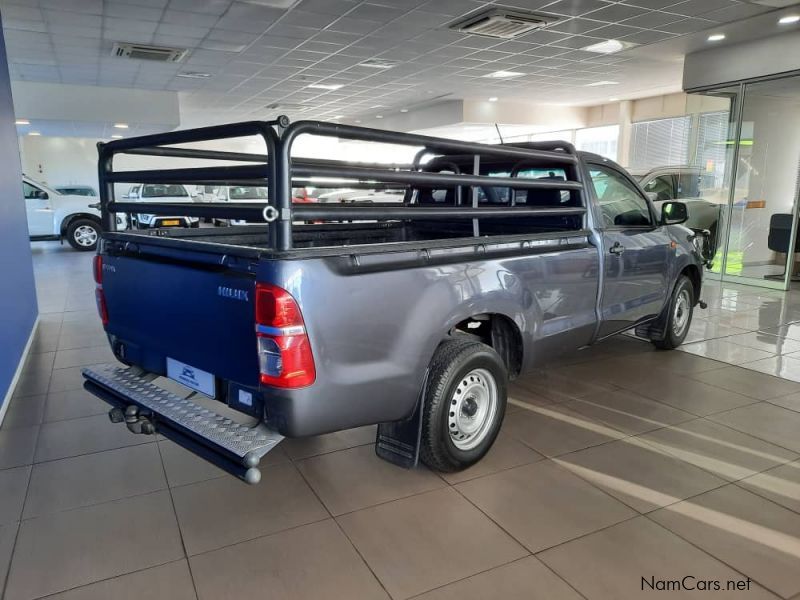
{"type": "Point", "coordinates": [398, 442]}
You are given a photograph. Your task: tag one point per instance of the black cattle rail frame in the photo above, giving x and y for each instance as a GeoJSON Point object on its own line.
{"type": "Point", "coordinates": [276, 171]}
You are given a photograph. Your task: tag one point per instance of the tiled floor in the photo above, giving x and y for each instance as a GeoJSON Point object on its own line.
{"type": "Point", "coordinates": [617, 466]}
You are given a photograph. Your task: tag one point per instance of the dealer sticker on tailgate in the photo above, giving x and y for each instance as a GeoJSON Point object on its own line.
{"type": "Point", "coordinates": [191, 377]}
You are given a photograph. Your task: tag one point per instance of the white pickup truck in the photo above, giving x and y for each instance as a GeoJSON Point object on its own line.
{"type": "Point", "coordinates": [56, 216]}
{"type": "Point", "coordinates": [159, 192]}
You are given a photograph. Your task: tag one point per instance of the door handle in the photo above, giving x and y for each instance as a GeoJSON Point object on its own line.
{"type": "Point", "coordinates": [617, 248]}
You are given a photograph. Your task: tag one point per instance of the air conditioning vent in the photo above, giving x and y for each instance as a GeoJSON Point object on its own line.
{"type": "Point", "coordinates": [145, 52]}
{"type": "Point", "coordinates": [502, 23]}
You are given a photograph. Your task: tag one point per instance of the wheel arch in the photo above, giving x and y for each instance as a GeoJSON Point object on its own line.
{"type": "Point", "coordinates": [497, 330]}
{"type": "Point", "coordinates": [67, 220]}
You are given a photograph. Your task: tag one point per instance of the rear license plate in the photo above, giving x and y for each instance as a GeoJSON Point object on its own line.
{"type": "Point", "coordinates": [192, 377]}
{"type": "Point", "coordinates": [170, 222]}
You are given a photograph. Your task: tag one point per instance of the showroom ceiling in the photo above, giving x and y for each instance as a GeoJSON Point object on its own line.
{"type": "Point", "coordinates": [259, 58]}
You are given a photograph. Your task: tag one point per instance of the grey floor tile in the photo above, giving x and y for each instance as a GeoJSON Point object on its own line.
{"type": "Point", "coordinates": [542, 505]}
{"type": "Point", "coordinates": [420, 557]}
{"type": "Point", "coordinates": [766, 421]}
{"type": "Point", "coordinates": [628, 412]}
{"type": "Point", "coordinates": [753, 535]}
{"type": "Point", "coordinates": [613, 564]}
{"type": "Point", "coordinates": [781, 485]}
{"type": "Point", "coordinates": [299, 448]}
{"type": "Point", "coordinates": [725, 351]}
{"type": "Point", "coordinates": [505, 453]}
{"type": "Point", "coordinates": [766, 342]}
{"type": "Point", "coordinates": [13, 485]}
{"type": "Point", "coordinates": [725, 452]}
{"type": "Point", "coordinates": [524, 579]}
{"type": "Point", "coordinates": [24, 411]}
{"type": "Point", "coordinates": [677, 362]}
{"type": "Point", "coordinates": [224, 511]}
{"type": "Point", "coordinates": [785, 367]}
{"type": "Point", "coordinates": [749, 383]}
{"type": "Point", "coordinates": [94, 478]}
{"type": "Point", "coordinates": [356, 478]}
{"type": "Point", "coordinates": [90, 544]}
{"type": "Point", "coordinates": [33, 383]}
{"type": "Point", "coordinates": [40, 361]}
{"type": "Point", "coordinates": [639, 475]}
{"type": "Point", "coordinates": [313, 561]}
{"type": "Point", "coordinates": [70, 378]}
{"type": "Point", "coordinates": [83, 356]}
{"type": "Point", "coordinates": [17, 446]}
{"type": "Point", "coordinates": [523, 394]}
{"type": "Point", "coordinates": [62, 439]}
{"type": "Point", "coordinates": [693, 396]}
{"type": "Point", "coordinates": [73, 404]}
{"type": "Point", "coordinates": [560, 384]}
{"type": "Point", "coordinates": [171, 581]}
{"type": "Point", "coordinates": [555, 430]}
{"type": "Point", "coordinates": [80, 340]}
{"type": "Point", "coordinates": [8, 535]}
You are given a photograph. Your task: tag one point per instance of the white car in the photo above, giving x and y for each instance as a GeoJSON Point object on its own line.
{"type": "Point", "coordinates": [161, 192]}
{"type": "Point", "coordinates": [56, 216]}
{"type": "Point", "coordinates": [240, 195]}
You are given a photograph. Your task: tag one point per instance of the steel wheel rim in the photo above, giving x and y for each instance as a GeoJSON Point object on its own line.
{"type": "Point", "coordinates": [472, 409]}
{"type": "Point", "coordinates": [85, 235]}
{"type": "Point", "coordinates": [683, 308]}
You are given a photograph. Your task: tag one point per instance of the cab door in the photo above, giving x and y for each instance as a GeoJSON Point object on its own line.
{"type": "Point", "coordinates": [39, 207]}
{"type": "Point", "coordinates": [635, 251]}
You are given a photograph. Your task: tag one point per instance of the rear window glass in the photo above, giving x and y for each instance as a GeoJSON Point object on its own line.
{"type": "Point", "coordinates": [161, 191]}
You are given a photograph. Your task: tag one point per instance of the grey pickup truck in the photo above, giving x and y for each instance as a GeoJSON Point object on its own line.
{"type": "Point", "coordinates": [413, 315]}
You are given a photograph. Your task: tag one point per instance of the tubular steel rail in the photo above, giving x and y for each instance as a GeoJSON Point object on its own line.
{"type": "Point", "coordinates": [276, 170]}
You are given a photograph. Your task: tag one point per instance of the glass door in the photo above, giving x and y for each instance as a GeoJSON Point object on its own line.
{"type": "Point", "coordinates": [762, 212]}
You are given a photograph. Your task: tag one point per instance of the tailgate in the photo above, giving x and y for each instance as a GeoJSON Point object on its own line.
{"type": "Point", "coordinates": [198, 313]}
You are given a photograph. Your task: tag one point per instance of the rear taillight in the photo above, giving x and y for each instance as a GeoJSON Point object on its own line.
{"type": "Point", "coordinates": [284, 352]}
{"type": "Point", "coordinates": [99, 295]}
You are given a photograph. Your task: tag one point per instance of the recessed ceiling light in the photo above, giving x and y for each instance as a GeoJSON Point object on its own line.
{"type": "Point", "coordinates": [608, 47]}
{"type": "Point", "coordinates": [504, 74]}
{"type": "Point", "coordinates": [604, 82]}
{"type": "Point", "coordinates": [34, 133]}
{"type": "Point", "coordinates": [716, 37]}
{"type": "Point", "coordinates": [22, 122]}
{"type": "Point", "coordinates": [493, 99]}
{"type": "Point", "coordinates": [193, 75]}
{"type": "Point", "coordinates": [325, 86]}
{"type": "Point", "coordinates": [789, 19]}
{"type": "Point", "coordinates": [378, 116]}
{"type": "Point", "coordinates": [121, 125]}
{"type": "Point", "coordinates": [357, 121]}
{"type": "Point", "coordinates": [403, 110]}
{"type": "Point", "coordinates": [338, 117]}
{"type": "Point", "coordinates": [117, 136]}
{"type": "Point", "coordinates": [613, 99]}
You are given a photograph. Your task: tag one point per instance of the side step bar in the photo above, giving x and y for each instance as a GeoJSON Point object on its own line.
{"type": "Point", "coordinates": [232, 446]}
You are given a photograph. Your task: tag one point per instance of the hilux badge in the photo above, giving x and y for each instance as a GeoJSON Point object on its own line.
{"type": "Point", "coordinates": [232, 293]}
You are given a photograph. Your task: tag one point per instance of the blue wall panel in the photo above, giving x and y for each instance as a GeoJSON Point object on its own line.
{"type": "Point", "coordinates": [17, 290]}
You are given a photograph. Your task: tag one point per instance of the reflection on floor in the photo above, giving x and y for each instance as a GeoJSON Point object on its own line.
{"type": "Point", "coordinates": [618, 470]}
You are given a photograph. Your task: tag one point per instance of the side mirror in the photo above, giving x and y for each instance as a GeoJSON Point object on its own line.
{"type": "Point", "coordinates": [674, 213]}
{"type": "Point", "coordinates": [653, 196]}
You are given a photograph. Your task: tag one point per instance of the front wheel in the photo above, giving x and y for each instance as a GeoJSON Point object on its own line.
{"type": "Point", "coordinates": [465, 402]}
{"type": "Point", "coordinates": [679, 318]}
{"type": "Point", "coordinates": [83, 234]}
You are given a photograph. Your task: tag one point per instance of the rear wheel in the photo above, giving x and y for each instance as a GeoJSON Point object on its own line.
{"type": "Point", "coordinates": [679, 316]}
{"type": "Point", "coordinates": [83, 234]}
{"type": "Point", "coordinates": [464, 405]}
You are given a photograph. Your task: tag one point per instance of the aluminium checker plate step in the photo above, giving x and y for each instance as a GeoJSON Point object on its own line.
{"type": "Point", "coordinates": [243, 443]}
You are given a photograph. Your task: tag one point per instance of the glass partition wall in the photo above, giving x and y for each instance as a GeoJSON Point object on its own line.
{"type": "Point", "coordinates": [751, 167]}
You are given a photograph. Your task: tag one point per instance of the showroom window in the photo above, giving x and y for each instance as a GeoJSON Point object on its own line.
{"type": "Point", "coordinates": [660, 143]}
{"type": "Point", "coordinates": [600, 140]}
{"type": "Point", "coordinates": [712, 147]}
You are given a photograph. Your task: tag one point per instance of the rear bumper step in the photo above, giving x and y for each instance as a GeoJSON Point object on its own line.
{"type": "Point", "coordinates": [232, 446]}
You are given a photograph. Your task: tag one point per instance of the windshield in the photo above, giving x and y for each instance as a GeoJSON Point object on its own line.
{"type": "Point", "coordinates": [77, 191]}
{"type": "Point", "coordinates": [161, 191]}
{"type": "Point", "coordinates": [247, 193]}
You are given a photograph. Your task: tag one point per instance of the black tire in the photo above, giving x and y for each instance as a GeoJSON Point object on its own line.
{"type": "Point", "coordinates": [83, 234]}
{"type": "Point", "coordinates": [673, 333]}
{"type": "Point", "coordinates": [452, 365]}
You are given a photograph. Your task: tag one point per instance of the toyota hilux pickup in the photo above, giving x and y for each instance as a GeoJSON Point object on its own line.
{"type": "Point", "coordinates": [412, 315]}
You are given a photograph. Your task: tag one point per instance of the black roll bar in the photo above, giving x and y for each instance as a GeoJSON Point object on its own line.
{"type": "Point", "coordinates": [277, 171]}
